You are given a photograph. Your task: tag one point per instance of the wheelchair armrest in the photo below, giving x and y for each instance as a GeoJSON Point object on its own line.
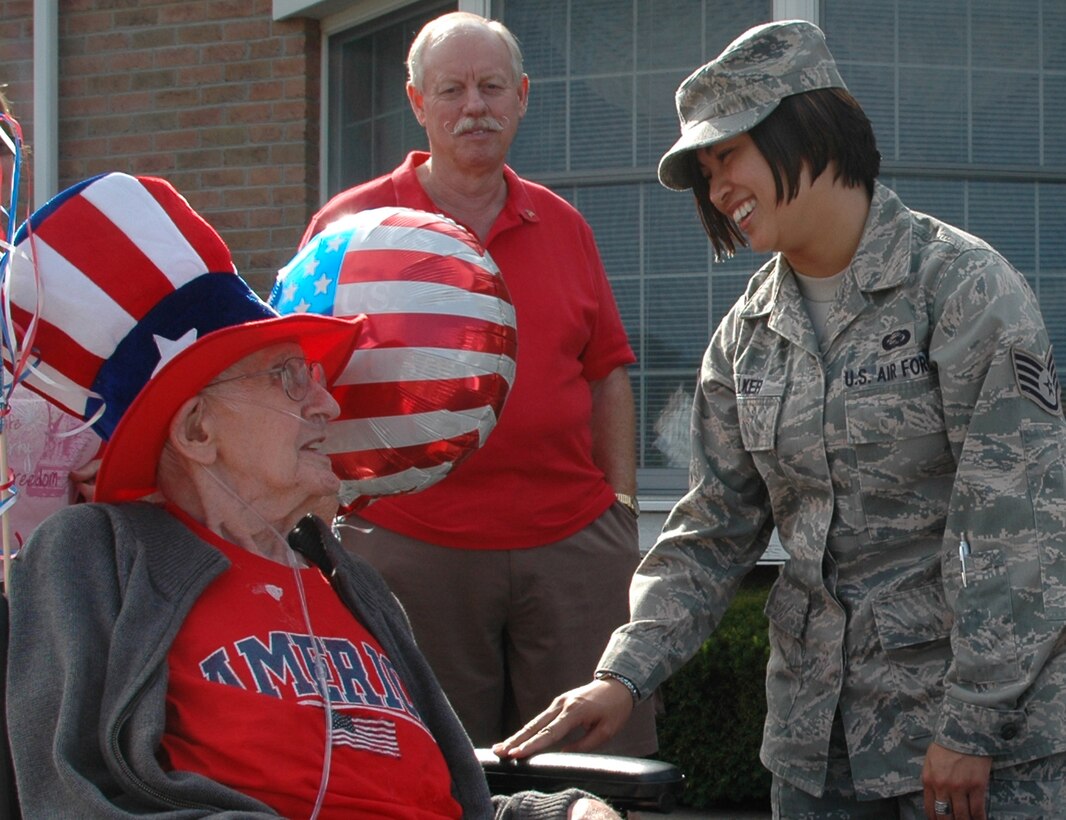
{"type": "Point", "coordinates": [627, 783]}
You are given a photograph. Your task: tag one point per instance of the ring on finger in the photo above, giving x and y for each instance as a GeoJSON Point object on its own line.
{"type": "Point", "coordinates": [942, 807]}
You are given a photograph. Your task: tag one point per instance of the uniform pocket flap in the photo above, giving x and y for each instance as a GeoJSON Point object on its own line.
{"type": "Point", "coordinates": [786, 607]}
{"type": "Point", "coordinates": [909, 617]}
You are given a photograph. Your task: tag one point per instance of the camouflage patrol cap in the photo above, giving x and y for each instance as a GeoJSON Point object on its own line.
{"type": "Point", "coordinates": [742, 85]}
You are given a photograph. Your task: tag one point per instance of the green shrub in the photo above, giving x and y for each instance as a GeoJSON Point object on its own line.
{"type": "Point", "coordinates": [715, 706]}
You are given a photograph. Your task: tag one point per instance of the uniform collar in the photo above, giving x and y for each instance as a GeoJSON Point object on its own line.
{"type": "Point", "coordinates": [882, 260]}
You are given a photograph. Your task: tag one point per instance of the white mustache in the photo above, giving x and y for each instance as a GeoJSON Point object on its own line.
{"type": "Point", "coordinates": [468, 124]}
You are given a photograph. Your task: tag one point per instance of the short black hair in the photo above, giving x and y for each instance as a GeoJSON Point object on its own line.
{"type": "Point", "coordinates": [813, 129]}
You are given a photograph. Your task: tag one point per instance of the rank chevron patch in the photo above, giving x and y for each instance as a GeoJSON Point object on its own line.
{"type": "Point", "coordinates": [1037, 379]}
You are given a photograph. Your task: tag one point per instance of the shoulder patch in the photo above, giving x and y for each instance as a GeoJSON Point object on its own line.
{"type": "Point", "coordinates": [1037, 379]}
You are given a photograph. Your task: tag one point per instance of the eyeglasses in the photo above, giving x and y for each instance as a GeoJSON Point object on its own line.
{"type": "Point", "coordinates": [296, 374]}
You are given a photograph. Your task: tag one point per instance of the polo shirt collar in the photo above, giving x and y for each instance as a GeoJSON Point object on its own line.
{"type": "Point", "coordinates": [518, 208]}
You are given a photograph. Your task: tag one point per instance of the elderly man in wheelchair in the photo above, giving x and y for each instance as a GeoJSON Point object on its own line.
{"type": "Point", "coordinates": [196, 642]}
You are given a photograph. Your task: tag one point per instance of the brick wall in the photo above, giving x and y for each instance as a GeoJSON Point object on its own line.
{"type": "Point", "coordinates": [212, 95]}
{"type": "Point", "coordinates": [16, 64]}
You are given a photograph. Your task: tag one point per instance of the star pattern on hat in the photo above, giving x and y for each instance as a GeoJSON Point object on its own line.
{"type": "Point", "coordinates": [169, 348]}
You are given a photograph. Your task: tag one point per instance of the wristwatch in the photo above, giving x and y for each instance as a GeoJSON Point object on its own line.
{"type": "Point", "coordinates": [629, 502]}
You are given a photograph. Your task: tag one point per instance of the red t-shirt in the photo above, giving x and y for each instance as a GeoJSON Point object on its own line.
{"type": "Point", "coordinates": [534, 481]}
{"type": "Point", "coordinates": [243, 707]}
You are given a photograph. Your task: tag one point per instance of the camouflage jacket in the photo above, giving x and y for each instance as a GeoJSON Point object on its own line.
{"type": "Point", "coordinates": [931, 413]}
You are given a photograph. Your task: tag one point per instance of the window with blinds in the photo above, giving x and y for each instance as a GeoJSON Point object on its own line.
{"type": "Point", "coordinates": [968, 100]}
{"type": "Point", "coordinates": [967, 97]}
{"type": "Point", "coordinates": [601, 113]}
{"type": "Point", "coordinates": [370, 126]}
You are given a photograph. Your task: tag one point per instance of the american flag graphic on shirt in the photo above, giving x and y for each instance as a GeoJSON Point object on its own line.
{"type": "Point", "coordinates": [367, 735]}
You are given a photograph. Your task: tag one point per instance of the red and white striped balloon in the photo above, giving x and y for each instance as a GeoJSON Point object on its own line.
{"type": "Point", "coordinates": [433, 366]}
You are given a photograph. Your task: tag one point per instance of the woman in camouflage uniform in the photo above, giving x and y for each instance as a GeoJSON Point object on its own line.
{"type": "Point", "coordinates": [884, 393]}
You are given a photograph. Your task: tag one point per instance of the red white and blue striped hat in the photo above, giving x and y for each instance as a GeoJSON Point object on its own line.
{"type": "Point", "coordinates": [130, 305]}
{"type": "Point", "coordinates": [433, 365]}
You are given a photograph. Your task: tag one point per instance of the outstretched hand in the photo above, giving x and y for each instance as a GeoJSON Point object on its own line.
{"type": "Point", "coordinates": [601, 708]}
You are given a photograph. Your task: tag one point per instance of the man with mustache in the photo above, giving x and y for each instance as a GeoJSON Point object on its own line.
{"type": "Point", "coordinates": [515, 570]}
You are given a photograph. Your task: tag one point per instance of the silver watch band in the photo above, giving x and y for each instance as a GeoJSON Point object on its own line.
{"type": "Point", "coordinates": [629, 502]}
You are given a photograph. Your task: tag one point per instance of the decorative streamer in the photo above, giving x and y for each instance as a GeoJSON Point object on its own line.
{"type": "Point", "coordinates": [11, 143]}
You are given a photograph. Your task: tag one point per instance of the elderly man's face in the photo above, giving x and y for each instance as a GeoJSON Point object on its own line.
{"type": "Point", "coordinates": [470, 103]}
{"type": "Point", "coordinates": [269, 445]}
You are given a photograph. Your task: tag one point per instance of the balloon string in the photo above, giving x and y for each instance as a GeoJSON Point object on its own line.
{"type": "Point", "coordinates": [8, 344]}
{"type": "Point", "coordinates": [8, 338]}
{"type": "Point", "coordinates": [19, 353]}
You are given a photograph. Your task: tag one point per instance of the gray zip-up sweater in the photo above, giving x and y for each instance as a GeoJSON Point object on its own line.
{"type": "Point", "coordinates": [97, 597]}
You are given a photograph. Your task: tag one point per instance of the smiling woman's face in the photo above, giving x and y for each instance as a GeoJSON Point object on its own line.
{"type": "Point", "coordinates": [269, 446]}
{"type": "Point", "coordinates": [742, 187]}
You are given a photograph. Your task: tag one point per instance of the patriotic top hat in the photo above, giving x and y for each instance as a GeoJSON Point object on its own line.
{"type": "Point", "coordinates": [128, 304]}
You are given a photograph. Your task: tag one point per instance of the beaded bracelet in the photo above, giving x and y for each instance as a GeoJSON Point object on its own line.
{"type": "Point", "coordinates": [604, 674]}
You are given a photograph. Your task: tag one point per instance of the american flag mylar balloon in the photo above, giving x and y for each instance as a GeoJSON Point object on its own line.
{"type": "Point", "coordinates": [436, 359]}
